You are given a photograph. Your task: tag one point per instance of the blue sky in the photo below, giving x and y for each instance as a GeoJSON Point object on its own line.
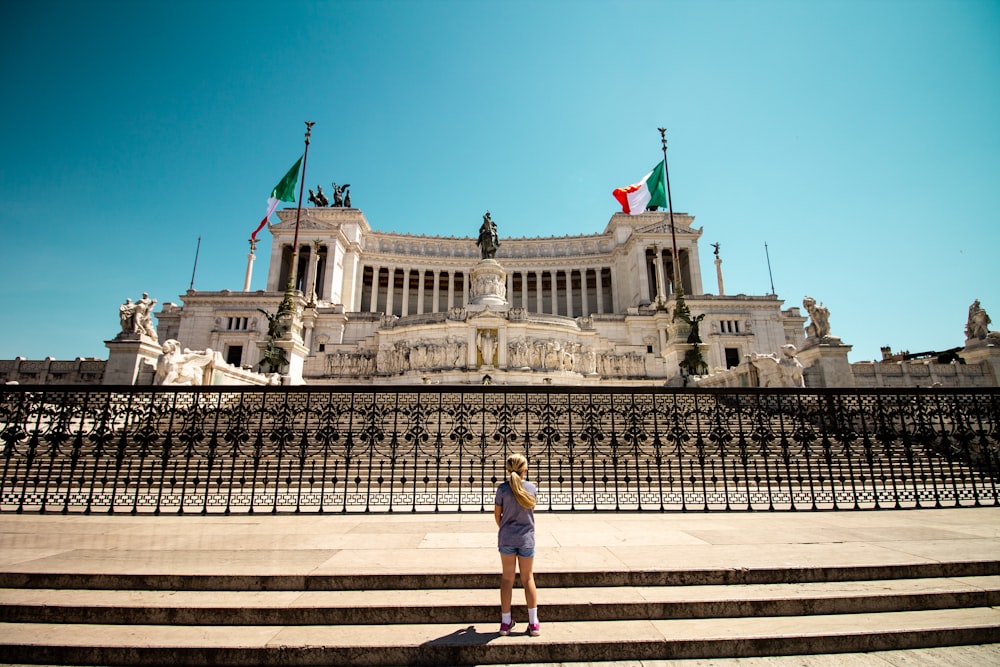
{"type": "Point", "coordinates": [859, 140]}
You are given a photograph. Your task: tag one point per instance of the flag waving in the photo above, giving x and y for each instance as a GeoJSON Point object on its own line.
{"type": "Point", "coordinates": [647, 192]}
{"type": "Point", "coordinates": [284, 191]}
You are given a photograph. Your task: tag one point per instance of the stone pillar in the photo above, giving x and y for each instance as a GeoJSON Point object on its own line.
{"type": "Point", "coordinates": [376, 274]}
{"type": "Point", "coordinates": [718, 275]}
{"type": "Point", "coordinates": [406, 293]}
{"type": "Point", "coordinates": [465, 288]}
{"type": "Point", "coordinates": [391, 291]}
{"type": "Point", "coordinates": [643, 274]}
{"type": "Point", "coordinates": [554, 275]}
{"type": "Point", "coordinates": [538, 292]}
{"type": "Point", "coordinates": [598, 273]}
{"type": "Point", "coordinates": [421, 277]}
{"type": "Point", "coordinates": [661, 292]}
{"type": "Point", "coordinates": [333, 291]}
{"type": "Point", "coordinates": [436, 295]}
{"type": "Point", "coordinates": [451, 289]}
{"type": "Point", "coordinates": [311, 277]}
{"type": "Point", "coordinates": [584, 301]}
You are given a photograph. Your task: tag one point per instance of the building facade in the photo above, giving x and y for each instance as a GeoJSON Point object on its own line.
{"type": "Point", "coordinates": [395, 308]}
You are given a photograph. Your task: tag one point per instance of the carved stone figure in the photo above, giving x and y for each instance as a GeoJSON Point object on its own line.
{"type": "Point", "coordinates": [488, 240]}
{"type": "Point", "coordinates": [184, 368]}
{"type": "Point", "coordinates": [977, 326]}
{"type": "Point", "coordinates": [144, 316]}
{"type": "Point", "coordinates": [138, 317]}
{"type": "Point", "coordinates": [819, 326]}
{"type": "Point", "coordinates": [126, 312]}
{"type": "Point", "coordinates": [487, 347]}
{"type": "Point", "coordinates": [773, 371]}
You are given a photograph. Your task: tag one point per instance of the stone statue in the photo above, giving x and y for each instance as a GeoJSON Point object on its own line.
{"type": "Point", "coordinates": [138, 317]}
{"type": "Point", "coordinates": [819, 327]}
{"type": "Point", "coordinates": [318, 199]}
{"type": "Point", "coordinates": [182, 368]}
{"type": "Point", "coordinates": [716, 246]}
{"type": "Point", "coordinates": [347, 197]}
{"type": "Point", "coordinates": [775, 372]}
{"type": "Point", "coordinates": [126, 313]}
{"type": "Point", "coordinates": [488, 240]}
{"type": "Point", "coordinates": [977, 326]}
{"type": "Point", "coordinates": [487, 347]}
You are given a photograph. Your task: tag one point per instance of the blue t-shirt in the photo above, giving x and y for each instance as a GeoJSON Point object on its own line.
{"type": "Point", "coordinates": [517, 525]}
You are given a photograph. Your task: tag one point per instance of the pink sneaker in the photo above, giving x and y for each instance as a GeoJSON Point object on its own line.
{"type": "Point", "coordinates": [534, 629]}
{"type": "Point", "coordinates": [505, 628]}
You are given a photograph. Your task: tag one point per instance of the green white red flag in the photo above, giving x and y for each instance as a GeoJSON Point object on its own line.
{"type": "Point", "coordinates": [284, 191]}
{"type": "Point", "coordinates": [650, 191]}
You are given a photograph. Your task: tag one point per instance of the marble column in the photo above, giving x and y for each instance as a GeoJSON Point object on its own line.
{"type": "Point", "coordinates": [421, 277]}
{"type": "Point", "coordinates": [406, 292]}
{"type": "Point", "coordinates": [436, 295]}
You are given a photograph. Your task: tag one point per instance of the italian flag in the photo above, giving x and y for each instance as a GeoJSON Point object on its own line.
{"type": "Point", "coordinates": [284, 191]}
{"type": "Point", "coordinates": [650, 191]}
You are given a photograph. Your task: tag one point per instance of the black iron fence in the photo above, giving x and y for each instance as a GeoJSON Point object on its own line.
{"type": "Point", "coordinates": [442, 448]}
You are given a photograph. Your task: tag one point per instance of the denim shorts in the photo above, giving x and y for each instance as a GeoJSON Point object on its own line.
{"type": "Point", "coordinates": [523, 552]}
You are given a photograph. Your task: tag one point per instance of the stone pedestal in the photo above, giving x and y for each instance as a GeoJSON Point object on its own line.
{"type": "Point", "coordinates": [488, 284]}
{"type": "Point", "coordinates": [983, 352]}
{"type": "Point", "coordinates": [131, 359]}
{"type": "Point", "coordinates": [826, 365]}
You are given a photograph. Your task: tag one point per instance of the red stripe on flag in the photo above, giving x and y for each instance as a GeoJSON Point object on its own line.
{"type": "Point", "coordinates": [621, 194]}
{"type": "Point", "coordinates": [253, 237]}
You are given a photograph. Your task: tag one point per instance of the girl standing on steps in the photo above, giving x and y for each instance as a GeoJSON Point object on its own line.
{"type": "Point", "coordinates": [514, 511]}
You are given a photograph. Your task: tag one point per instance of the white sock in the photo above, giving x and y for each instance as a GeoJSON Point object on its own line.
{"type": "Point", "coordinates": [533, 616]}
{"type": "Point", "coordinates": [505, 618]}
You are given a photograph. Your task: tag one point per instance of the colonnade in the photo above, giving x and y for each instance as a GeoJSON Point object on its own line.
{"type": "Point", "coordinates": [415, 291]}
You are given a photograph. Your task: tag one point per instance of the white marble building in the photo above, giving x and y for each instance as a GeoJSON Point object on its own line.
{"type": "Point", "coordinates": [383, 308]}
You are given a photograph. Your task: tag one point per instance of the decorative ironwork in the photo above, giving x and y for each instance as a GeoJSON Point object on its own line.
{"type": "Point", "coordinates": [436, 448]}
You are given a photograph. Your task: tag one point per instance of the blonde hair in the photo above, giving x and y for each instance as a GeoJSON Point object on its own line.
{"type": "Point", "coordinates": [517, 470]}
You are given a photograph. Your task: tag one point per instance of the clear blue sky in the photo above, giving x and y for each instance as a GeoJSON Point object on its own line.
{"type": "Point", "coordinates": [859, 139]}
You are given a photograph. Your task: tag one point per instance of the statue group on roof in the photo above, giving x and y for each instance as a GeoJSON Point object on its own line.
{"type": "Point", "coordinates": [341, 196]}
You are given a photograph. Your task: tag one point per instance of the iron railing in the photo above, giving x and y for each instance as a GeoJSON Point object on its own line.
{"type": "Point", "coordinates": [442, 448]}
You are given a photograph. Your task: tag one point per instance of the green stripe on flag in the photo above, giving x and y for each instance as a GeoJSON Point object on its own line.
{"type": "Point", "coordinates": [655, 185]}
{"type": "Point", "coordinates": [285, 189]}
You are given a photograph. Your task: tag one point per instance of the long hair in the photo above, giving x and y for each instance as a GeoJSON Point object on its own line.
{"type": "Point", "coordinates": [517, 470]}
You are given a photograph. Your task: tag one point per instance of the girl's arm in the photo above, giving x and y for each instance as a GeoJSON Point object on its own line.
{"type": "Point", "coordinates": [497, 512]}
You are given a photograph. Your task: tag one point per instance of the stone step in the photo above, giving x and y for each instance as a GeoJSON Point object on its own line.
{"type": "Point", "coordinates": [488, 580]}
{"type": "Point", "coordinates": [478, 643]}
{"type": "Point", "coordinates": [480, 605]}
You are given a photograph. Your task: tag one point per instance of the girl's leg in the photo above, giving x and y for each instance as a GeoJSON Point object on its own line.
{"type": "Point", "coordinates": [526, 566]}
{"type": "Point", "coordinates": [507, 581]}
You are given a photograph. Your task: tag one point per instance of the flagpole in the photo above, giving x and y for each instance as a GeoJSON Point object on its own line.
{"type": "Point", "coordinates": [292, 274]}
{"type": "Point", "coordinates": [681, 309]}
{"type": "Point", "coordinates": [195, 267]}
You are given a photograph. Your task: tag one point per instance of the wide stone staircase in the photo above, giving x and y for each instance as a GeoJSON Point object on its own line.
{"type": "Point", "coordinates": [406, 619]}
